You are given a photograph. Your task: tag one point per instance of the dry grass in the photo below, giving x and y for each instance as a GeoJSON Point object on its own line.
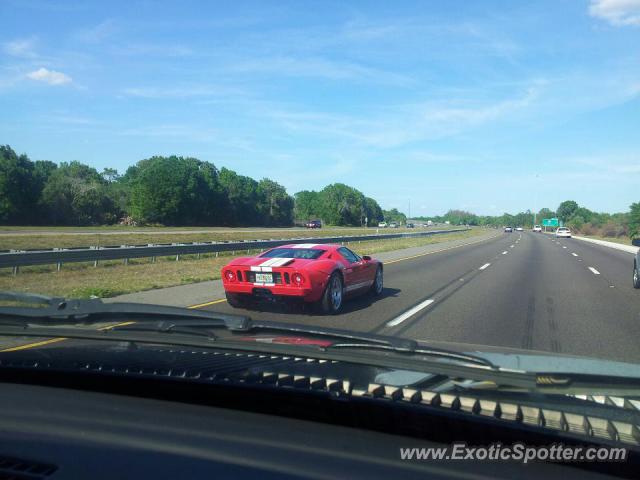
{"type": "Point", "coordinates": [34, 238]}
{"type": "Point", "coordinates": [113, 278]}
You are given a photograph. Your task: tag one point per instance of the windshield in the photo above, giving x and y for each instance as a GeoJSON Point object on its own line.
{"type": "Point", "coordinates": [307, 253]}
{"type": "Point", "coordinates": [459, 174]}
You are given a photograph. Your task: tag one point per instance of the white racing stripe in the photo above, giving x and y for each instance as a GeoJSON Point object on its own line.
{"type": "Point", "coordinates": [409, 313]}
{"type": "Point", "coordinates": [269, 262]}
{"type": "Point", "coordinates": [594, 271]}
{"type": "Point", "coordinates": [305, 245]}
{"type": "Point", "coordinates": [261, 269]}
{"type": "Point", "coordinates": [484, 266]}
{"type": "Point", "coordinates": [281, 262]}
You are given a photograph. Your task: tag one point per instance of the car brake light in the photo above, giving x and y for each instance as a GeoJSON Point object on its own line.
{"type": "Point", "coordinates": [297, 278]}
{"type": "Point", "coordinates": [230, 276]}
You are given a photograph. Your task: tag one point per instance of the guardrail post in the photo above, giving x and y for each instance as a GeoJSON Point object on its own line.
{"type": "Point", "coordinates": [177, 257]}
{"type": "Point", "coordinates": [16, 269]}
{"type": "Point", "coordinates": [95, 262]}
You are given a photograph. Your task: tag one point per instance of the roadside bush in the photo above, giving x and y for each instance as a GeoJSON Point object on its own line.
{"type": "Point", "coordinates": [589, 229]}
{"type": "Point", "coordinates": [611, 230]}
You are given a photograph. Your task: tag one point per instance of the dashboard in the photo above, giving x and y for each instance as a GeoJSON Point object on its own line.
{"type": "Point", "coordinates": [63, 433]}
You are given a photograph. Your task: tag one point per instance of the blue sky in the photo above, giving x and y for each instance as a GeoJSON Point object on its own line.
{"type": "Point", "coordinates": [488, 106]}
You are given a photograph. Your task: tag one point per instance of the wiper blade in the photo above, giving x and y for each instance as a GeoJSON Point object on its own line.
{"type": "Point", "coordinates": [59, 312]}
{"type": "Point", "coordinates": [431, 352]}
{"type": "Point", "coordinates": [166, 319]}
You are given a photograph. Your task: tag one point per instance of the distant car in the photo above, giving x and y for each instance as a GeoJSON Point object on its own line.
{"type": "Point", "coordinates": [537, 228]}
{"type": "Point", "coordinates": [382, 225]}
{"type": "Point", "coordinates": [315, 274]}
{"type": "Point", "coordinates": [393, 225]}
{"type": "Point", "coordinates": [519, 229]}
{"type": "Point", "coordinates": [314, 224]}
{"type": "Point", "coordinates": [563, 232]}
{"type": "Point", "coordinates": [508, 229]}
{"type": "Point", "coordinates": [636, 264]}
{"type": "Point", "coordinates": [410, 225]}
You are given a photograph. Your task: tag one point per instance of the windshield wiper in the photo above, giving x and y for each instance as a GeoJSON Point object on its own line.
{"type": "Point", "coordinates": [417, 350]}
{"type": "Point", "coordinates": [165, 319]}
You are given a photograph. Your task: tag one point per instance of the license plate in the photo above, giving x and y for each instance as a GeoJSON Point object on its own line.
{"type": "Point", "coordinates": [264, 277]}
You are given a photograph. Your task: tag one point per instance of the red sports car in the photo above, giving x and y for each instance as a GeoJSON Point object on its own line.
{"type": "Point", "coordinates": [313, 273]}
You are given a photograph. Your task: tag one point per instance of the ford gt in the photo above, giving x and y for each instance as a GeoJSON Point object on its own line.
{"type": "Point", "coordinates": [321, 275]}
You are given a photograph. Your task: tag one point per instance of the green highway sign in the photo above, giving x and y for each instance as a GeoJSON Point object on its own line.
{"type": "Point", "coordinates": [549, 222]}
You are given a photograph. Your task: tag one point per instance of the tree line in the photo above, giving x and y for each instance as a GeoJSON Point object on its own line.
{"type": "Point", "coordinates": [166, 191]}
{"type": "Point", "coordinates": [579, 219]}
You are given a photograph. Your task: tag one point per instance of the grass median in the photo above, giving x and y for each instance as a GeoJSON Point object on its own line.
{"type": "Point", "coordinates": [113, 278]}
{"type": "Point", "coordinates": [67, 237]}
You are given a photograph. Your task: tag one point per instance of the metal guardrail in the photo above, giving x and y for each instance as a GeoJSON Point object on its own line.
{"type": "Point", "coordinates": [58, 256]}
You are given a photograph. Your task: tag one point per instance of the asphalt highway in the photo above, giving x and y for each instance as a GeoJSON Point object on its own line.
{"type": "Point", "coordinates": [523, 290]}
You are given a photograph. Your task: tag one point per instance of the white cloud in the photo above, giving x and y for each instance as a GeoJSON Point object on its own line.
{"type": "Point", "coordinates": [49, 76]}
{"type": "Point", "coordinates": [184, 91]}
{"type": "Point", "coordinates": [319, 68]}
{"type": "Point", "coordinates": [97, 33]}
{"type": "Point", "coordinates": [616, 12]}
{"type": "Point", "coordinates": [23, 48]}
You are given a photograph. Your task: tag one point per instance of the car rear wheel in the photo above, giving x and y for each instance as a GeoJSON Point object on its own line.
{"type": "Point", "coordinates": [331, 301]}
{"type": "Point", "coordinates": [378, 283]}
{"type": "Point", "coordinates": [236, 300]}
{"type": "Point", "coordinates": [636, 276]}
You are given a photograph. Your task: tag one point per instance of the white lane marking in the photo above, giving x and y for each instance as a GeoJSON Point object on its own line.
{"type": "Point", "coordinates": [484, 266]}
{"type": "Point", "coordinates": [594, 271]}
{"type": "Point", "coordinates": [505, 252]}
{"type": "Point", "coordinates": [564, 246]}
{"type": "Point", "coordinates": [511, 246]}
{"type": "Point", "coordinates": [409, 313]}
{"type": "Point", "coordinates": [574, 254]}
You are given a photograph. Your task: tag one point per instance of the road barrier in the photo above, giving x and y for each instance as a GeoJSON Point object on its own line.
{"type": "Point", "coordinates": [18, 258]}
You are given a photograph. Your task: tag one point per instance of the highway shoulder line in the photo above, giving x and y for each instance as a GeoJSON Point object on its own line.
{"type": "Point", "coordinates": [594, 271]}
{"type": "Point", "coordinates": [206, 304]}
{"type": "Point", "coordinates": [484, 266]}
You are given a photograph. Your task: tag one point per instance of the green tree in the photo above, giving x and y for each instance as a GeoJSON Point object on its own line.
{"type": "Point", "coordinates": [307, 206]}
{"type": "Point", "coordinates": [75, 194]}
{"type": "Point", "coordinates": [394, 215]}
{"type": "Point", "coordinates": [634, 220]}
{"type": "Point", "coordinates": [341, 204]}
{"type": "Point", "coordinates": [373, 211]}
{"type": "Point", "coordinates": [566, 210]}
{"type": "Point", "coordinates": [276, 205]}
{"type": "Point", "coordinates": [18, 192]}
{"type": "Point", "coordinates": [174, 191]}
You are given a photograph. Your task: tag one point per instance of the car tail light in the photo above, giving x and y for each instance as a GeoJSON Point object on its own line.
{"type": "Point", "coordinates": [297, 278]}
{"type": "Point", "coordinates": [230, 276]}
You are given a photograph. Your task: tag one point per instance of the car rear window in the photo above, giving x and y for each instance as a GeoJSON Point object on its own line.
{"type": "Point", "coordinates": [307, 253]}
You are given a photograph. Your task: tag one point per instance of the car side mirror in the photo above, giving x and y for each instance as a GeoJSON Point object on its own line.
{"type": "Point", "coordinates": [635, 242]}
{"type": "Point", "coordinates": [366, 258]}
